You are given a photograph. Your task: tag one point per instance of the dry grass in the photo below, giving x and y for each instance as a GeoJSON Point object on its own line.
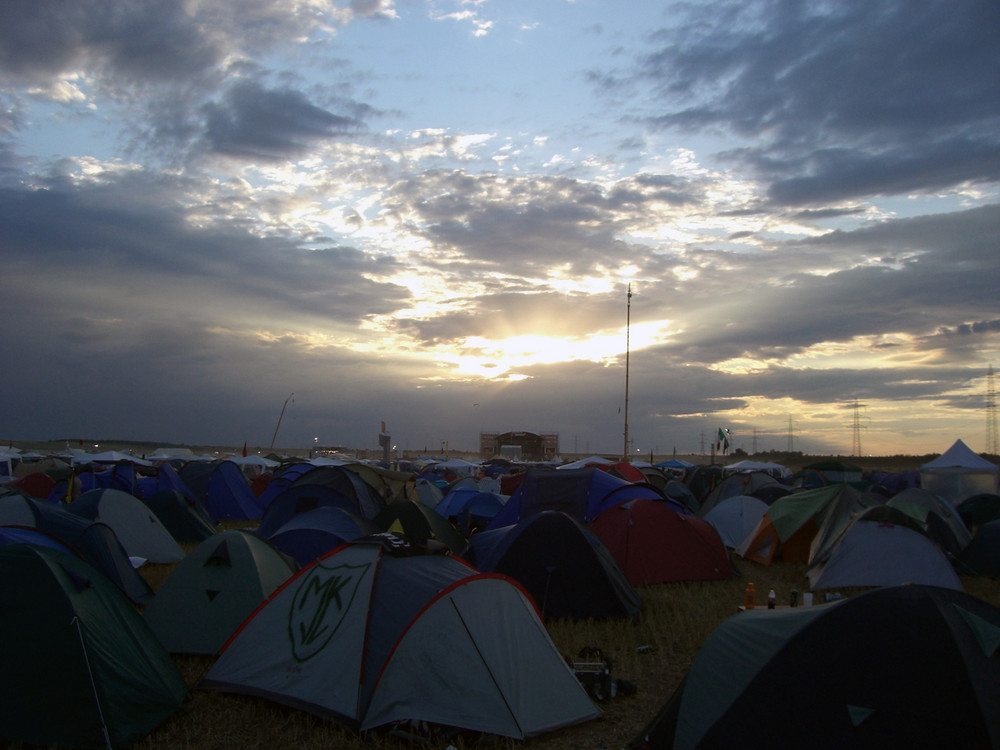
{"type": "Point", "coordinates": [676, 620]}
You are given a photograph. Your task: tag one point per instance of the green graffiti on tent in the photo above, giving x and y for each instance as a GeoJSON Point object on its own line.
{"type": "Point", "coordinates": [319, 606]}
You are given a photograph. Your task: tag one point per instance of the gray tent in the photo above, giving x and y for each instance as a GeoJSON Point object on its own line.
{"type": "Point", "coordinates": [873, 551]}
{"type": "Point", "coordinates": [213, 590]}
{"type": "Point", "coordinates": [136, 525]}
{"type": "Point", "coordinates": [371, 634]}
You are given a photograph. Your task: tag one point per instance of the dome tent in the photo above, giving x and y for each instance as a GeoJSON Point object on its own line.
{"type": "Point", "coordinates": [407, 637]}
{"type": "Point", "coordinates": [561, 563]}
{"type": "Point", "coordinates": [863, 672]}
{"type": "Point", "coordinates": [81, 668]}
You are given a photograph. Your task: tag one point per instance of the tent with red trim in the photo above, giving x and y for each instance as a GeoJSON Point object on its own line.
{"type": "Point", "coordinates": [375, 633]}
{"type": "Point", "coordinates": [653, 543]}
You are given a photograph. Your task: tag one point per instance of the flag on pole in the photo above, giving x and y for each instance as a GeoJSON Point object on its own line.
{"type": "Point", "coordinates": [723, 440]}
{"type": "Point", "coordinates": [244, 448]}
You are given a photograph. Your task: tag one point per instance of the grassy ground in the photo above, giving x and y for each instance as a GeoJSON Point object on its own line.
{"type": "Point", "coordinates": [654, 654]}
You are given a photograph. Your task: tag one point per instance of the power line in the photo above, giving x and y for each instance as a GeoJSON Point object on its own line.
{"type": "Point", "coordinates": [856, 428]}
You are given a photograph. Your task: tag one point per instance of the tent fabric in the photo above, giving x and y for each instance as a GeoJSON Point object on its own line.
{"type": "Point", "coordinates": [959, 473]}
{"type": "Point", "coordinates": [735, 518]}
{"type": "Point", "coordinates": [365, 499]}
{"type": "Point", "coordinates": [865, 672]}
{"type": "Point", "coordinates": [878, 553]}
{"type": "Point", "coordinates": [561, 563]}
{"type": "Point", "coordinates": [213, 590]}
{"type": "Point", "coordinates": [979, 509]}
{"type": "Point", "coordinates": [653, 543]}
{"type": "Point", "coordinates": [309, 535]}
{"type": "Point", "coordinates": [737, 484]}
{"type": "Point", "coordinates": [801, 526]}
{"type": "Point", "coordinates": [222, 490]}
{"type": "Point", "coordinates": [418, 524]}
{"type": "Point", "coordinates": [282, 478]}
{"type": "Point", "coordinates": [935, 512]}
{"type": "Point", "coordinates": [26, 535]}
{"type": "Point", "coordinates": [181, 515]}
{"type": "Point", "coordinates": [582, 493]}
{"type": "Point", "coordinates": [95, 542]}
{"type": "Point", "coordinates": [137, 527]}
{"type": "Point", "coordinates": [299, 499]}
{"type": "Point", "coordinates": [371, 634]}
{"type": "Point", "coordinates": [982, 555]}
{"type": "Point", "coordinates": [75, 653]}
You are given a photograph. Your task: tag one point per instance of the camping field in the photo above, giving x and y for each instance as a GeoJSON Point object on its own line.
{"type": "Point", "coordinates": [652, 654]}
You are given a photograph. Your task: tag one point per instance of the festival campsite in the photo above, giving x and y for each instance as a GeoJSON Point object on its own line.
{"type": "Point", "coordinates": [335, 607]}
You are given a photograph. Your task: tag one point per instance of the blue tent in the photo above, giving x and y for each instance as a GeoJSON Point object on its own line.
{"type": "Point", "coordinates": [562, 564]}
{"type": "Point", "coordinates": [309, 535]}
{"type": "Point", "coordinates": [221, 487]}
{"type": "Point", "coordinates": [95, 542]}
{"type": "Point", "coordinates": [581, 493]}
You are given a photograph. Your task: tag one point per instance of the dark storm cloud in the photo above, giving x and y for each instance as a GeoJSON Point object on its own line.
{"type": "Point", "coordinates": [142, 42]}
{"type": "Point", "coordinates": [134, 41]}
{"type": "Point", "coordinates": [903, 277]}
{"type": "Point", "coordinates": [847, 99]}
{"type": "Point", "coordinates": [257, 123]}
{"type": "Point", "coordinates": [109, 238]}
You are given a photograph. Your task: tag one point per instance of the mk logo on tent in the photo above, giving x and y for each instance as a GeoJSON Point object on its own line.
{"type": "Point", "coordinates": [319, 606]}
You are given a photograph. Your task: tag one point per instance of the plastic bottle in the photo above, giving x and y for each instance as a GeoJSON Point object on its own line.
{"type": "Point", "coordinates": [750, 597]}
{"type": "Point", "coordinates": [772, 599]}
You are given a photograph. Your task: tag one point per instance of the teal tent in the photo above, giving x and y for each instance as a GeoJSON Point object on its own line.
{"type": "Point", "coordinates": [215, 588]}
{"type": "Point", "coordinates": [80, 667]}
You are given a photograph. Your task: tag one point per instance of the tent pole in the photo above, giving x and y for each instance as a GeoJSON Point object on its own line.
{"type": "Point", "coordinates": [628, 324]}
{"type": "Point", "coordinates": [90, 674]}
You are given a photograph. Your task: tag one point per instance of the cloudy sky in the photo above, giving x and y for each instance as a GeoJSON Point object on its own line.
{"type": "Point", "coordinates": [429, 213]}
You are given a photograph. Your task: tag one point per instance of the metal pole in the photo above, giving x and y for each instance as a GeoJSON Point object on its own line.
{"type": "Point", "coordinates": [628, 323]}
{"type": "Point", "coordinates": [275, 435]}
{"type": "Point", "coordinates": [93, 686]}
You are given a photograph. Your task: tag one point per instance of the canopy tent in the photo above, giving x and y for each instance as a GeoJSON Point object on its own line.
{"type": "Point", "coordinates": [959, 473]}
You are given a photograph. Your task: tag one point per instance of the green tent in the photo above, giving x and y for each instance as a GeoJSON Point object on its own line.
{"type": "Point", "coordinates": [213, 589]}
{"type": "Point", "coordinates": [420, 523]}
{"type": "Point", "coordinates": [803, 526]}
{"type": "Point", "coordinates": [80, 667]}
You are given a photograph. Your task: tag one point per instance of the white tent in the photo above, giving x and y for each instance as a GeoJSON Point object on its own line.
{"type": "Point", "coordinates": [110, 457]}
{"type": "Point", "coordinates": [959, 473]}
{"type": "Point", "coordinates": [591, 461]}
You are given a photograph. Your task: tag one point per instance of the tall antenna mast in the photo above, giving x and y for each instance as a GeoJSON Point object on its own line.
{"type": "Point", "coordinates": [628, 324]}
{"type": "Point", "coordinates": [992, 439]}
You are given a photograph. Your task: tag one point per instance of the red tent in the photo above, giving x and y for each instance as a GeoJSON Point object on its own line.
{"type": "Point", "coordinates": [653, 543]}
